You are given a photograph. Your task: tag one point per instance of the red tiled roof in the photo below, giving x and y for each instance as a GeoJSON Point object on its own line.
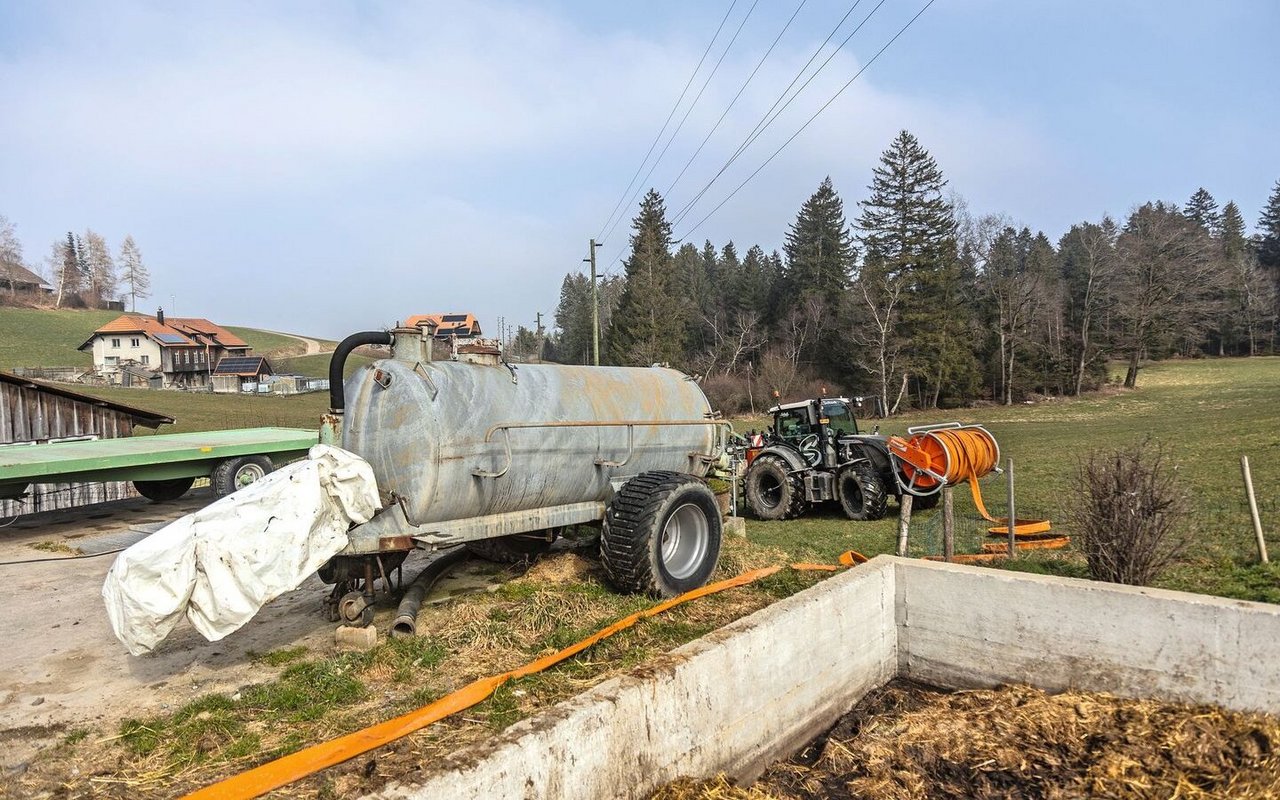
{"type": "Point", "coordinates": [181, 332]}
{"type": "Point", "coordinates": [446, 324]}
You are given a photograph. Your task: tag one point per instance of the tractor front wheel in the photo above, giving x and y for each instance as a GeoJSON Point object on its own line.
{"type": "Point", "coordinates": [862, 494]}
{"type": "Point", "coordinates": [773, 493]}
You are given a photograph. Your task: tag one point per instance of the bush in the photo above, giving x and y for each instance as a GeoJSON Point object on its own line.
{"type": "Point", "coordinates": [1128, 513]}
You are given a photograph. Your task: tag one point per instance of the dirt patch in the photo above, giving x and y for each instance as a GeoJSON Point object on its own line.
{"type": "Point", "coordinates": [909, 742]}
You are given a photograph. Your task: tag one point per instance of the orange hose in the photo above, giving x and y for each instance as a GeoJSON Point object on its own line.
{"type": "Point", "coordinates": [295, 766]}
{"type": "Point", "coordinates": [959, 454]}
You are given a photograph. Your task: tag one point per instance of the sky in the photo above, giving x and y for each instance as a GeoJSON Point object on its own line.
{"type": "Point", "coordinates": [328, 167]}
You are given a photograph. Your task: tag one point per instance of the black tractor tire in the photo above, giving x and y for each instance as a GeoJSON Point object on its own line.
{"type": "Point", "coordinates": [772, 492]}
{"type": "Point", "coordinates": [661, 535]}
{"type": "Point", "coordinates": [515, 549]}
{"type": "Point", "coordinates": [926, 502]}
{"type": "Point", "coordinates": [237, 473]}
{"type": "Point", "coordinates": [861, 492]}
{"type": "Point", "coordinates": [162, 491]}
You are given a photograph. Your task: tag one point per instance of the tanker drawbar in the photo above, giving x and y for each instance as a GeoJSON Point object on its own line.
{"type": "Point", "coordinates": [500, 458]}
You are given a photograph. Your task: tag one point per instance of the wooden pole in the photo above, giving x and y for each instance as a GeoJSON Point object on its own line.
{"type": "Point", "coordinates": [1253, 509]}
{"type": "Point", "coordinates": [1013, 547]}
{"type": "Point", "coordinates": [904, 523]}
{"type": "Point", "coordinates": [948, 526]}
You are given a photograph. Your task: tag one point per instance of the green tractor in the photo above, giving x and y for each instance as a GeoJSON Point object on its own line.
{"type": "Point", "coordinates": [814, 453]}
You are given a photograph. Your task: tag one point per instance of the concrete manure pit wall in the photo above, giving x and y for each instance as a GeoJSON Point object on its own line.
{"type": "Point", "coordinates": [756, 690]}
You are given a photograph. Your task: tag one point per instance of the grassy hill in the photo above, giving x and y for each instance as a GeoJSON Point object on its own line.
{"type": "Point", "coordinates": [31, 337]}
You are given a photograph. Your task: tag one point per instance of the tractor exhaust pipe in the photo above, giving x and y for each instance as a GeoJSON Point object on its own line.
{"type": "Point", "coordinates": [406, 623]}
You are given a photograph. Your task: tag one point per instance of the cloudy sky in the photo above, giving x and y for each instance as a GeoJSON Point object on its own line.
{"type": "Point", "coordinates": [325, 167]}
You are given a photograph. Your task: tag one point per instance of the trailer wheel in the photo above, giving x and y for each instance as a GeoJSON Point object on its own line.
{"type": "Point", "coordinates": [861, 492]}
{"type": "Point", "coordinates": [772, 493]}
{"type": "Point", "coordinates": [161, 491]}
{"type": "Point", "coordinates": [237, 473]}
{"type": "Point", "coordinates": [515, 549]}
{"type": "Point", "coordinates": [661, 534]}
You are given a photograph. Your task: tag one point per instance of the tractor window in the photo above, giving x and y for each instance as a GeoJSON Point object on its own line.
{"type": "Point", "coordinates": [793, 423]}
{"type": "Point", "coordinates": [841, 418]}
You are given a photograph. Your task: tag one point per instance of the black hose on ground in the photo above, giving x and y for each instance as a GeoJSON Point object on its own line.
{"type": "Point", "coordinates": [338, 363]}
{"type": "Point", "coordinates": [406, 623]}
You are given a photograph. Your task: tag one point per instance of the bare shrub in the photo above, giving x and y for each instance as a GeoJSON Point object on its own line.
{"type": "Point", "coordinates": [1128, 513]}
{"type": "Point", "coordinates": [727, 393]}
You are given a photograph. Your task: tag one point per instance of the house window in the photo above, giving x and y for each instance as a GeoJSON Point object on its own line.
{"type": "Point", "coordinates": [146, 359]}
{"type": "Point", "coordinates": [134, 343]}
{"type": "Point", "coordinates": [186, 356]}
{"type": "Point", "coordinates": [115, 342]}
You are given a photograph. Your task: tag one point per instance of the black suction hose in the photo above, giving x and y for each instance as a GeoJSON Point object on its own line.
{"type": "Point", "coordinates": [338, 363]}
{"type": "Point", "coordinates": [406, 623]}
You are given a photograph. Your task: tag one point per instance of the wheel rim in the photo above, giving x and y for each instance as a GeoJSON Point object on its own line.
{"type": "Point", "coordinates": [770, 490]}
{"type": "Point", "coordinates": [852, 490]}
{"type": "Point", "coordinates": [685, 539]}
{"type": "Point", "coordinates": [247, 474]}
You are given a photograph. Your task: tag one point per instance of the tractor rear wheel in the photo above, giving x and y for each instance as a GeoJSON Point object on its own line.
{"type": "Point", "coordinates": [773, 493]}
{"type": "Point", "coordinates": [926, 502]}
{"type": "Point", "coordinates": [661, 534]}
{"type": "Point", "coordinates": [861, 492]}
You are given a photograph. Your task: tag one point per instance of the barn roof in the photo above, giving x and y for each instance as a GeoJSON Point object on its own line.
{"type": "Point", "coordinates": [149, 419]}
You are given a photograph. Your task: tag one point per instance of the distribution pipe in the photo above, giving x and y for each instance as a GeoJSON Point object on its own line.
{"type": "Point", "coordinates": [406, 623]}
{"type": "Point", "coordinates": [338, 363]}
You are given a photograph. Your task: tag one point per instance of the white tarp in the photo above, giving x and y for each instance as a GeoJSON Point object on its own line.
{"type": "Point", "coordinates": [221, 564]}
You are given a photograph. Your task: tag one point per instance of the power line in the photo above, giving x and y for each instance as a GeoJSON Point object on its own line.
{"type": "Point", "coordinates": [687, 112]}
{"type": "Point", "coordinates": [741, 89]}
{"type": "Point", "coordinates": [674, 108]}
{"type": "Point", "coordinates": [864, 68]}
{"type": "Point", "coordinates": [771, 115]}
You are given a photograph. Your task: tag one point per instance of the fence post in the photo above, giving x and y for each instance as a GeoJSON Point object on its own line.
{"type": "Point", "coordinates": [1253, 509]}
{"type": "Point", "coordinates": [904, 522]}
{"type": "Point", "coordinates": [1012, 515]}
{"type": "Point", "coordinates": [948, 526]}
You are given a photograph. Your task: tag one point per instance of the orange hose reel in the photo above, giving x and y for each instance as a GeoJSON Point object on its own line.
{"type": "Point", "coordinates": [944, 455]}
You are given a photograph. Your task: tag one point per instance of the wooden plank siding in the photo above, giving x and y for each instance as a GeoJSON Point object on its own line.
{"type": "Point", "coordinates": [30, 415]}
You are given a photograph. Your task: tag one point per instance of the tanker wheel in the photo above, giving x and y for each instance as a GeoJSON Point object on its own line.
{"type": "Point", "coordinates": [160, 491]}
{"type": "Point", "coordinates": [861, 492]}
{"type": "Point", "coordinates": [515, 549]}
{"type": "Point", "coordinates": [237, 473]}
{"type": "Point", "coordinates": [661, 535]}
{"type": "Point", "coordinates": [926, 502]}
{"type": "Point", "coordinates": [772, 493]}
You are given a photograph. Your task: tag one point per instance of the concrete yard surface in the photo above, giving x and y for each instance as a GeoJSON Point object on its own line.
{"type": "Point", "coordinates": [752, 692]}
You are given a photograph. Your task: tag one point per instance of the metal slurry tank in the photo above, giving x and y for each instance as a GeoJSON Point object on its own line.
{"type": "Point", "coordinates": [437, 434]}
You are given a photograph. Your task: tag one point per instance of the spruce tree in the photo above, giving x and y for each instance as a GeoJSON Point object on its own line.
{"type": "Point", "coordinates": [908, 234]}
{"type": "Point", "coordinates": [1203, 211]}
{"type": "Point", "coordinates": [573, 320]}
{"type": "Point", "coordinates": [1268, 239]}
{"type": "Point", "coordinates": [819, 247]}
{"type": "Point", "coordinates": [649, 324]}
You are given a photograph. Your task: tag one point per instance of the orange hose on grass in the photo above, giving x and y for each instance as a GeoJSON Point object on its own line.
{"type": "Point", "coordinates": [295, 766]}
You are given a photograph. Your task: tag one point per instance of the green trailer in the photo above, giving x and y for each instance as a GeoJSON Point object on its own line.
{"type": "Point", "coordinates": [161, 467]}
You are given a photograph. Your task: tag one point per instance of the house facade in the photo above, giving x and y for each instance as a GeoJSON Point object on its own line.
{"type": "Point", "coordinates": [184, 352]}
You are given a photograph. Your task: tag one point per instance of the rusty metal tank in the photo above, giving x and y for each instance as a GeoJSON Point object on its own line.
{"type": "Point", "coordinates": [453, 439]}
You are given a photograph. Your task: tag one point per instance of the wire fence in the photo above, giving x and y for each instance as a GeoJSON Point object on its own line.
{"type": "Point", "coordinates": [1225, 526]}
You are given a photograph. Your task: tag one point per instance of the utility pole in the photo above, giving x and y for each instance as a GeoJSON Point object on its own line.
{"type": "Point", "coordinates": [595, 306]}
{"type": "Point", "coordinates": [539, 331]}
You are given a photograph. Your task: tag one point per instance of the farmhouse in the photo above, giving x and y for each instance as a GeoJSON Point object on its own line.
{"type": "Point", "coordinates": [17, 279]}
{"type": "Point", "coordinates": [184, 353]}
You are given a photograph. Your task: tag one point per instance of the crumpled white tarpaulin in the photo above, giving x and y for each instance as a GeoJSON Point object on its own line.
{"type": "Point", "coordinates": [221, 564]}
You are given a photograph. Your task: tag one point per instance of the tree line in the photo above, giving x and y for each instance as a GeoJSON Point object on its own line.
{"type": "Point", "coordinates": [921, 303]}
{"type": "Point", "coordinates": [82, 268]}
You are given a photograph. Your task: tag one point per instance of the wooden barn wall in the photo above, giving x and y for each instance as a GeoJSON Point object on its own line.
{"type": "Point", "coordinates": [30, 415]}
